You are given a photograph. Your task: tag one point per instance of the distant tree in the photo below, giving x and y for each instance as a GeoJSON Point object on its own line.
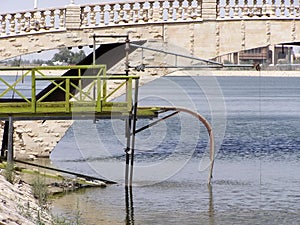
{"type": "Point", "coordinates": [38, 62]}
{"type": "Point", "coordinates": [78, 56]}
{"type": "Point", "coordinates": [16, 62]}
{"type": "Point", "coordinates": [66, 56]}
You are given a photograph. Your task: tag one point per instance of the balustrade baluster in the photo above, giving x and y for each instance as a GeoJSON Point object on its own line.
{"type": "Point", "coordinates": [32, 20]}
{"type": "Point", "coordinates": [12, 24]}
{"type": "Point", "coordinates": [92, 15]}
{"type": "Point", "coordinates": [52, 19]}
{"type": "Point", "coordinates": [219, 9]}
{"type": "Point", "coordinates": [111, 13]}
{"type": "Point", "coordinates": [297, 11]}
{"type": "Point", "coordinates": [7, 24]}
{"type": "Point", "coordinates": [264, 9]}
{"type": "Point", "coordinates": [273, 8]}
{"type": "Point", "coordinates": [193, 8]}
{"type": "Point", "coordinates": [106, 14]}
{"type": "Point", "coordinates": [117, 13]}
{"type": "Point", "coordinates": [199, 9]}
{"type": "Point", "coordinates": [61, 18]}
{"type": "Point", "coordinates": [17, 25]}
{"type": "Point", "coordinates": [85, 14]}
{"type": "Point", "coordinates": [171, 10]}
{"type": "Point", "coordinates": [26, 22]}
{"type": "Point", "coordinates": [121, 15]}
{"type": "Point", "coordinates": [291, 8]}
{"type": "Point", "coordinates": [136, 12]}
{"type": "Point", "coordinates": [160, 10]}
{"type": "Point", "coordinates": [141, 11]}
{"type": "Point", "coordinates": [131, 12]}
{"type": "Point", "coordinates": [43, 19]}
{"type": "Point", "coordinates": [179, 10]}
{"type": "Point", "coordinates": [126, 10]}
{"type": "Point", "coordinates": [236, 9]}
{"type": "Point", "coordinates": [150, 11]}
{"type": "Point", "coordinates": [227, 8]}
{"type": "Point", "coordinates": [3, 25]}
{"type": "Point", "coordinates": [282, 7]}
{"type": "Point", "coordinates": [145, 12]}
{"type": "Point", "coordinates": [188, 10]}
{"type": "Point", "coordinates": [56, 19]}
{"type": "Point", "coordinates": [101, 14]}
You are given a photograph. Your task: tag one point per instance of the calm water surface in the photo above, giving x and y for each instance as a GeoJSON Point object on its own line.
{"type": "Point", "coordinates": [256, 175]}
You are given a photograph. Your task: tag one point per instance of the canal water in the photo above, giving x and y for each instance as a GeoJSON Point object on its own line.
{"type": "Point", "coordinates": [256, 178]}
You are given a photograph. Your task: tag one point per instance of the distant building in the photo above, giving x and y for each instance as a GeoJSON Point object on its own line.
{"type": "Point", "coordinates": [270, 55]}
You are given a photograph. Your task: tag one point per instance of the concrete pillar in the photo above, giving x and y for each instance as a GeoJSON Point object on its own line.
{"type": "Point", "coordinates": [35, 4]}
{"type": "Point", "coordinates": [73, 13]}
{"type": "Point", "coordinates": [209, 9]}
{"type": "Point", "coordinates": [273, 55]}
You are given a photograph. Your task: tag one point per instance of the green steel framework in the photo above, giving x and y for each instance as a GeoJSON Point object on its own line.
{"type": "Point", "coordinates": [90, 101]}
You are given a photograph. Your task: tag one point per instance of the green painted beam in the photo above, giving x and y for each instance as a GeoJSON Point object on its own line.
{"type": "Point", "coordinates": [89, 102]}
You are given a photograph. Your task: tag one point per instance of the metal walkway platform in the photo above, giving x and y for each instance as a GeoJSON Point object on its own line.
{"type": "Point", "coordinates": [94, 90]}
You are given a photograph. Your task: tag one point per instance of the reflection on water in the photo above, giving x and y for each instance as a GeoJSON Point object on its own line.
{"type": "Point", "coordinates": [129, 205]}
{"type": "Point", "coordinates": [211, 211]}
{"type": "Point", "coordinates": [256, 174]}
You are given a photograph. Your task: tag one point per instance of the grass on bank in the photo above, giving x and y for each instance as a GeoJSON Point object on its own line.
{"type": "Point", "coordinates": [41, 192]}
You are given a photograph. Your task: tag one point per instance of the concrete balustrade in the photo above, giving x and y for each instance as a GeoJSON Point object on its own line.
{"type": "Point", "coordinates": [98, 15]}
{"type": "Point", "coordinates": [257, 9]}
{"type": "Point", "coordinates": [105, 14]}
{"type": "Point", "coordinates": [32, 21]}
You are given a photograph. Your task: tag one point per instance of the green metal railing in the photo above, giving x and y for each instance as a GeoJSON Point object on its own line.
{"type": "Point", "coordinates": [89, 90]}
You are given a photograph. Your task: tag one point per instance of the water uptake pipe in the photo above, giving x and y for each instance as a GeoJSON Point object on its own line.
{"type": "Point", "coordinates": [208, 128]}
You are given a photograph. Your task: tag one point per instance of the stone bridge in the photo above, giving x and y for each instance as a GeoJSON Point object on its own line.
{"type": "Point", "coordinates": [203, 28]}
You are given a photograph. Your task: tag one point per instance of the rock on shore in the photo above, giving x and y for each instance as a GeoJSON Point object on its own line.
{"type": "Point", "coordinates": [18, 206]}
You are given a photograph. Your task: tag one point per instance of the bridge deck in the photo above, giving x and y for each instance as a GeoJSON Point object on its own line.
{"type": "Point", "coordinates": [93, 96]}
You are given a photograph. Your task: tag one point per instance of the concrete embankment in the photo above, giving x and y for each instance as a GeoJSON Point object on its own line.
{"type": "Point", "coordinates": [18, 206]}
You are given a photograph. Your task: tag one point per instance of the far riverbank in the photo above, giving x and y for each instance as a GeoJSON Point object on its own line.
{"type": "Point", "coordinates": [236, 73]}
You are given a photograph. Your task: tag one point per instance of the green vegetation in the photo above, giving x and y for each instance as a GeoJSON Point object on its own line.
{"type": "Point", "coordinates": [40, 190]}
{"type": "Point", "coordinates": [64, 56]}
{"type": "Point", "coordinates": [9, 172]}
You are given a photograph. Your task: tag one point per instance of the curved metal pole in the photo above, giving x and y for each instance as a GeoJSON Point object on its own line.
{"type": "Point", "coordinates": [209, 130]}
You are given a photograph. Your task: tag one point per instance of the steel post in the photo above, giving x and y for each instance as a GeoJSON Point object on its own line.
{"type": "Point", "coordinates": [4, 139]}
{"type": "Point", "coordinates": [134, 118]}
{"type": "Point", "coordinates": [10, 150]}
